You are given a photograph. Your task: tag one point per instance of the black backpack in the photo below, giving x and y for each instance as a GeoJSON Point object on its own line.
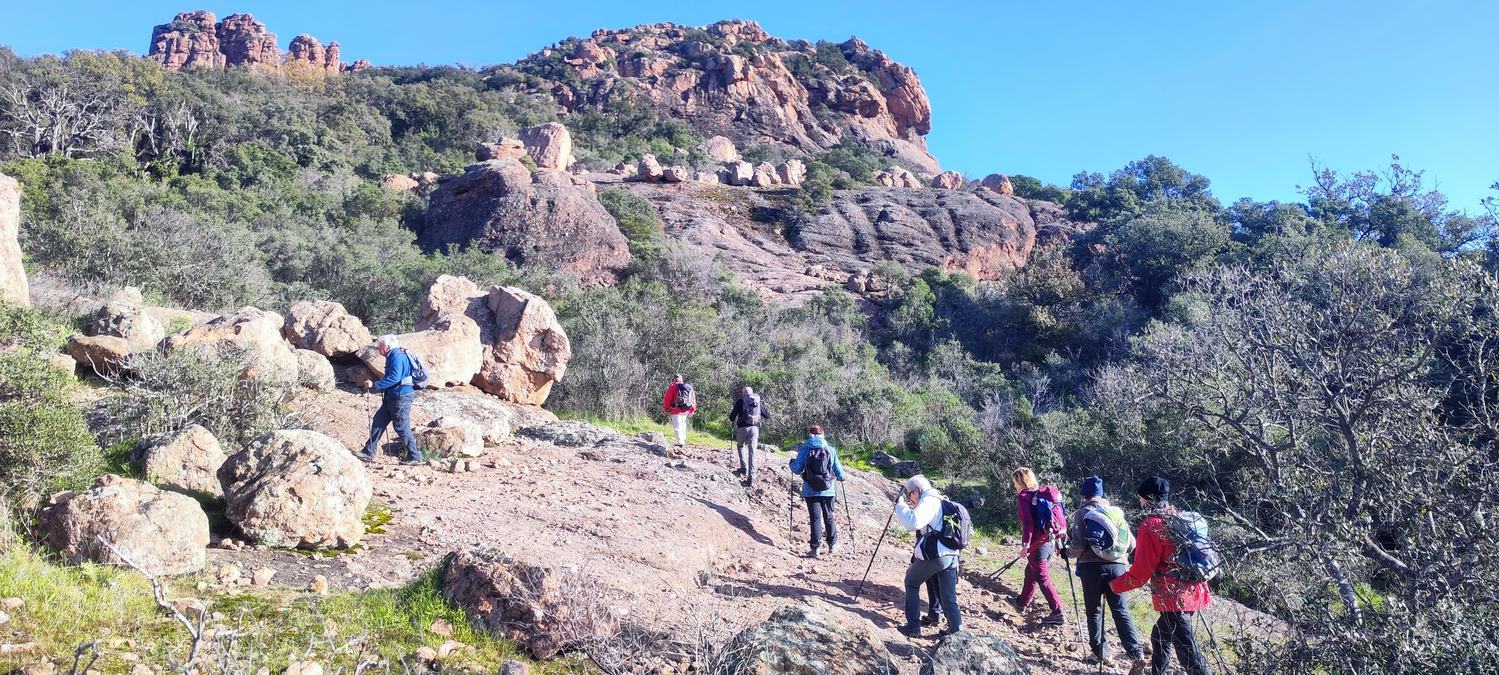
{"type": "Point", "coordinates": [750, 410]}
{"type": "Point", "coordinates": [686, 396]}
{"type": "Point", "coordinates": [955, 530]}
{"type": "Point", "coordinates": [818, 471]}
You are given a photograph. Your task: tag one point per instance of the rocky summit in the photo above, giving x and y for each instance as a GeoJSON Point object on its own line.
{"type": "Point", "coordinates": [199, 40]}
{"type": "Point", "coordinates": [734, 79]}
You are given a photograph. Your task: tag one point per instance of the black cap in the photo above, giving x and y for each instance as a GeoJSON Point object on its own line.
{"type": "Point", "coordinates": [1155, 488]}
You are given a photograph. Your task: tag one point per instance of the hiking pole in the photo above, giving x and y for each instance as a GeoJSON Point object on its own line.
{"type": "Point", "coordinates": [791, 518]}
{"type": "Point", "coordinates": [1213, 640]}
{"type": "Point", "coordinates": [1073, 590]}
{"type": "Point", "coordinates": [850, 517]}
{"type": "Point", "coordinates": [877, 544]}
{"type": "Point", "coordinates": [1006, 568]}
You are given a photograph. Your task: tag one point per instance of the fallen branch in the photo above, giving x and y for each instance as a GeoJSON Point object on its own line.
{"type": "Point", "coordinates": [159, 592]}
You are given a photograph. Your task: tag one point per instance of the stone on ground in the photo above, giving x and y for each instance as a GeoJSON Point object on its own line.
{"type": "Point", "coordinates": [451, 437]}
{"type": "Point", "coordinates": [965, 653]}
{"type": "Point", "coordinates": [125, 316]}
{"type": "Point", "coordinates": [161, 532]}
{"type": "Point", "coordinates": [802, 640]}
{"type": "Point", "coordinates": [314, 371]}
{"type": "Point", "coordinates": [325, 327]}
{"type": "Point", "coordinates": [569, 434]}
{"type": "Point", "coordinates": [186, 461]}
{"type": "Point", "coordinates": [103, 354]}
{"type": "Point", "coordinates": [529, 604]}
{"type": "Point", "coordinates": [296, 489]}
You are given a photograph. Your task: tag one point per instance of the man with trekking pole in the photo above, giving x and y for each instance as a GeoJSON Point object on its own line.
{"type": "Point", "coordinates": [942, 529]}
{"type": "Point", "coordinates": [1176, 558]}
{"type": "Point", "coordinates": [403, 375]}
{"type": "Point", "coordinates": [749, 410]}
{"type": "Point", "coordinates": [1100, 540]}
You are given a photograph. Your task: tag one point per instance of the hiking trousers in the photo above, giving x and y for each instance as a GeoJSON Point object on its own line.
{"type": "Point", "coordinates": [1174, 629]}
{"type": "Point", "coordinates": [393, 410]}
{"type": "Point", "coordinates": [679, 427]}
{"type": "Point", "coordinates": [945, 570]}
{"type": "Point", "coordinates": [821, 510]}
{"type": "Point", "coordinates": [1038, 575]}
{"type": "Point", "coordinates": [747, 441]}
{"type": "Point", "coordinates": [1095, 578]}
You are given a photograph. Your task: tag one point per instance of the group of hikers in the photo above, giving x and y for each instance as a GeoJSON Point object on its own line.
{"type": "Point", "coordinates": [1171, 548]}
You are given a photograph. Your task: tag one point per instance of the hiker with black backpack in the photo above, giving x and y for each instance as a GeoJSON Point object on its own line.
{"type": "Point", "coordinates": [817, 463]}
{"type": "Point", "coordinates": [1042, 523]}
{"type": "Point", "coordinates": [1175, 556]}
{"type": "Point", "coordinates": [679, 402]}
{"type": "Point", "coordinates": [1100, 540]}
{"type": "Point", "coordinates": [404, 373]}
{"type": "Point", "coordinates": [943, 529]}
{"type": "Point", "coordinates": [749, 410]}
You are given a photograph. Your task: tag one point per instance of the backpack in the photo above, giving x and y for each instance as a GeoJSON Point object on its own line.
{"type": "Point", "coordinates": [419, 378]}
{"type": "Point", "coordinates": [1197, 560]}
{"type": "Point", "coordinates": [954, 530]}
{"type": "Point", "coordinates": [1047, 515]}
{"type": "Point", "coordinates": [818, 471]}
{"type": "Point", "coordinates": [686, 396]}
{"type": "Point", "coordinates": [751, 410]}
{"type": "Point", "coordinates": [1107, 532]}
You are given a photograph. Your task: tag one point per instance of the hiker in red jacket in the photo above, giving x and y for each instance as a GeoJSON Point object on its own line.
{"type": "Point", "coordinates": [679, 402]}
{"type": "Point", "coordinates": [1036, 543]}
{"type": "Point", "coordinates": [1176, 600]}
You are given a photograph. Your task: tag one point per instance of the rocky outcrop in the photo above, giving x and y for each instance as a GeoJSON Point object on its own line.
{"type": "Point", "coordinates": [398, 183]}
{"type": "Point", "coordinates": [965, 653]}
{"type": "Point", "coordinates": [186, 461]}
{"type": "Point", "coordinates": [103, 354]}
{"type": "Point", "coordinates": [549, 145]}
{"type": "Point", "coordinates": [801, 640]}
{"type": "Point", "coordinates": [792, 172]}
{"type": "Point", "coordinates": [199, 40]}
{"type": "Point", "coordinates": [541, 219]}
{"type": "Point", "coordinates": [296, 489]}
{"type": "Point", "coordinates": [125, 316]}
{"type": "Point", "coordinates": [731, 79]}
{"type": "Point", "coordinates": [13, 286]}
{"type": "Point", "coordinates": [525, 348]}
{"type": "Point", "coordinates": [526, 603]}
{"type": "Point", "coordinates": [947, 180]}
{"type": "Point", "coordinates": [720, 149]}
{"type": "Point", "coordinates": [571, 434]}
{"type": "Point", "coordinates": [505, 148]}
{"type": "Point", "coordinates": [998, 183]}
{"type": "Point", "coordinates": [250, 331]}
{"type": "Point", "coordinates": [325, 327]}
{"type": "Point", "coordinates": [448, 437]}
{"type": "Point", "coordinates": [896, 176]}
{"type": "Point", "coordinates": [314, 371]}
{"type": "Point", "coordinates": [161, 532]}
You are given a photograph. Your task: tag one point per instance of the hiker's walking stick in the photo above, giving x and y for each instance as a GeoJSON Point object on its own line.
{"type": "Point", "coordinates": [791, 518]}
{"type": "Point", "coordinates": [1073, 589]}
{"type": "Point", "coordinates": [850, 517]}
{"type": "Point", "coordinates": [1006, 568]}
{"type": "Point", "coordinates": [877, 544]}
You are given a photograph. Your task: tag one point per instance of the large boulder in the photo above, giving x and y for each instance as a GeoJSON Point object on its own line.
{"type": "Point", "coordinates": [526, 350]}
{"type": "Point", "coordinates": [549, 145]}
{"type": "Point", "coordinates": [802, 640]}
{"type": "Point", "coordinates": [764, 175]}
{"type": "Point", "coordinates": [999, 183]}
{"type": "Point", "coordinates": [947, 180]}
{"type": "Point", "coordinates": [186, 461]}
{"type": "Point", "coordinates": [314, 371]}
{"type": "Point", "coordinates": [296, 489]}
{"type": "Point", "coordinates": [251, 331]}
{"type": "Point", "coordinates": [325, 327]}
{"type": "Point", "coordinates": [739, 173]}
{"type": "Point", "coordinates": [965, 653]}
{"type": "Point", "coordinates": [649, 169]}
{"type": "Point", "coordinates": [13, 287]}
{"type": "Point", "coordinates": [896, 176]}
{"type": "Point", "coordinates": [719, 149]}
{"type": "Point", "coordinates": [541, 219]}
{"type": "Point", "coordinates": [103, 354]}
{"type": "Point", "coordinates": [161, 532]}
{"type": "Point", "coordinates": [451, 437]}
{"type": "Point", "coordinates": [792, 172]}
{"type": "Point", "coordinates": [125, 316]}
{"type": "Point", "coordinates": [529, 604]}
{"type": "Point", "coordinates": [505, 148]}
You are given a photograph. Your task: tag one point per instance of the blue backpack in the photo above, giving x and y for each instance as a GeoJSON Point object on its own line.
{"type": "Point", "coordinates": [419, 378]}
{"type": "Point", "coordinates": [1047, 515]}
{"type": "Point", "coordinates": [1197, 560]}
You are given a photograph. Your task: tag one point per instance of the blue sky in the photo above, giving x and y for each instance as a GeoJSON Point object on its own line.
{"type": "Point", "coordinates": [1244, 93]}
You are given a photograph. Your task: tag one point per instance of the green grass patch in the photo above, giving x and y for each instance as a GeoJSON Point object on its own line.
{"type": "Point", "coordinates": [709, 434]}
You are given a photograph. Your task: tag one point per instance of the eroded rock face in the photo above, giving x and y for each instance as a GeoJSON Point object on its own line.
{"type": "Point", "coordinates": [296, 489]}
{"type": "Point", "coordinates": [947, 180]}
{"type": "Point", "coordinates": [103, 354]}
{"type": "Point", "coordinates": [307, 52]}
{"type": "Point", "coordinates": [767, 97]}
{"type": "Point", "coordinates": [800, 640]}
{"type": "Point", "coordinates": [549, 145]}
{"type": "Point", "coordinates": [325, 327]}
{"type": "Point", "coordinates": [189, 41]}
{"type": "Point", "coordinates": [451, 437]}
{"type": "Point", "coordinates": [250, 330]}
{"type": "Point", "coordinates": [186, 461]}
{"type": "Point", "coordinates": [13, 286]}
{"type": "Point", "coordinates": [199, 40]}
{"type": "Point", "coordinates": [125, 316]}
{"type": "Point", "coordinates": [999, 184]}
{"type": "Point", "coordinates": [246, 42]}
{"type": "Point", "coordinates": [538, 220]}
{"type": "Point", "coordinates": [162, 532]}
{"type": "Point", "coordinates": [965, 653]}
{"type": "Point", "coordinates": [526, 603]}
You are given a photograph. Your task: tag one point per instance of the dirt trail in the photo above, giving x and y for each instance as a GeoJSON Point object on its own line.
{"type": "Point", "coordinates": [684, 542]}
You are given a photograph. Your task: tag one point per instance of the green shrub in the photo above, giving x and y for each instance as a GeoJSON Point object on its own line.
{"type": "Point", "coordinates": [45, 444]}
{"type": "Point", "coordinates": [636, 219]}
{"type": "Point", "coordinates": [203, 386]}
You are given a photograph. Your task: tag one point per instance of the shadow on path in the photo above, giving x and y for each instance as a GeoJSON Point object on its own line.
{"type": "Point", "coordinates": [738, 520]}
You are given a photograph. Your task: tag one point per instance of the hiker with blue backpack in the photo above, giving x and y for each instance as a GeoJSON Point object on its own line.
{"type": "Point", "coordinates": [817, 463]}
{"type": "Point", "coordinates": [1042, 524]}
{"type": "Point", "coordinates": [403, 375]}
{"type": "Point", "coordinates": [943, 529]}
{"type": "Point", "coordinates": [1175, 556]}
{"type": "Point", "coordinates": [1100, 540]}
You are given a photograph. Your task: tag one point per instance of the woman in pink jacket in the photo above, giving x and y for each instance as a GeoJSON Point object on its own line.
{"type": "Point", "coordinates": [1036, 543]}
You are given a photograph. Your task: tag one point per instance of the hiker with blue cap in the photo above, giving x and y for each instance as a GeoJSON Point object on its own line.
{"type": "Point", "coordinates": [1100, 541]}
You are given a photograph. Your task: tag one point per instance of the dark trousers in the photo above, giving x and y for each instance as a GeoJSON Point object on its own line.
{"type": "Point", "coordinates": [934, 598]}
{"type": "Point", "coordinates": [1175, 629]}
{"type": "Point", "coordinates": [393, 410]}
{"type": "Point", "coordinates": [945, 570]}
{"type": "Point", "coordinates": [1095, 577]}
{"type": "Point", "coordinates": [821, 510]}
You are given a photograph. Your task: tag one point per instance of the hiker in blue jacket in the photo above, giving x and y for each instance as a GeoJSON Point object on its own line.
{"type": "Point", "coordinates": [817, 463]}
{"type": "Point", "coordinates": [395, 404]}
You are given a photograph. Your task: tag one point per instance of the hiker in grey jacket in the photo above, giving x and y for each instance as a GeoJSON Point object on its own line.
{"type": "Point", "coordinates": [1095, 572]}
{"type": "Point", "coordinates": [919, 509]}
{"type": "Point", "coordinates": [749, 410]}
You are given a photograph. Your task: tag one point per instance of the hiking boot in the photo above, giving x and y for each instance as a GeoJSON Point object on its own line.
{"type": "Point", "coordinates": [946, 631]}
{"type": "Point", "coordinates": [367, 459]}
{"type": "Point", "coordinates": [1055, 618]}
{"type": "Point", "coordinates": [413, 462]}
{"type": "Point", "coordinates": [1014, 603]}
{"type": "Point", "coordinates": [739, 472]}
{"type": "Point", "coordinates": [832, 546]}
{"type": "Point", "coordinates": [812, 553]}
{"type": "Point", "coordinates": [1138, 665]}
{"type": "Point", "coordinates": [910, 631]}
{"type": "Point", "coordinates": [931, 620]}
{"type": "Point", "coordinates": [1101, 659]}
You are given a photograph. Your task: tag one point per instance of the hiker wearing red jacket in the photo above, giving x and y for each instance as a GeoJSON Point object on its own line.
{"type": "Point", "coordinates": [1036, 544]}
{"type": "Point", "coordinates": [1176, 600]}
{"type": "Point", "coordinates": [679, 402]}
